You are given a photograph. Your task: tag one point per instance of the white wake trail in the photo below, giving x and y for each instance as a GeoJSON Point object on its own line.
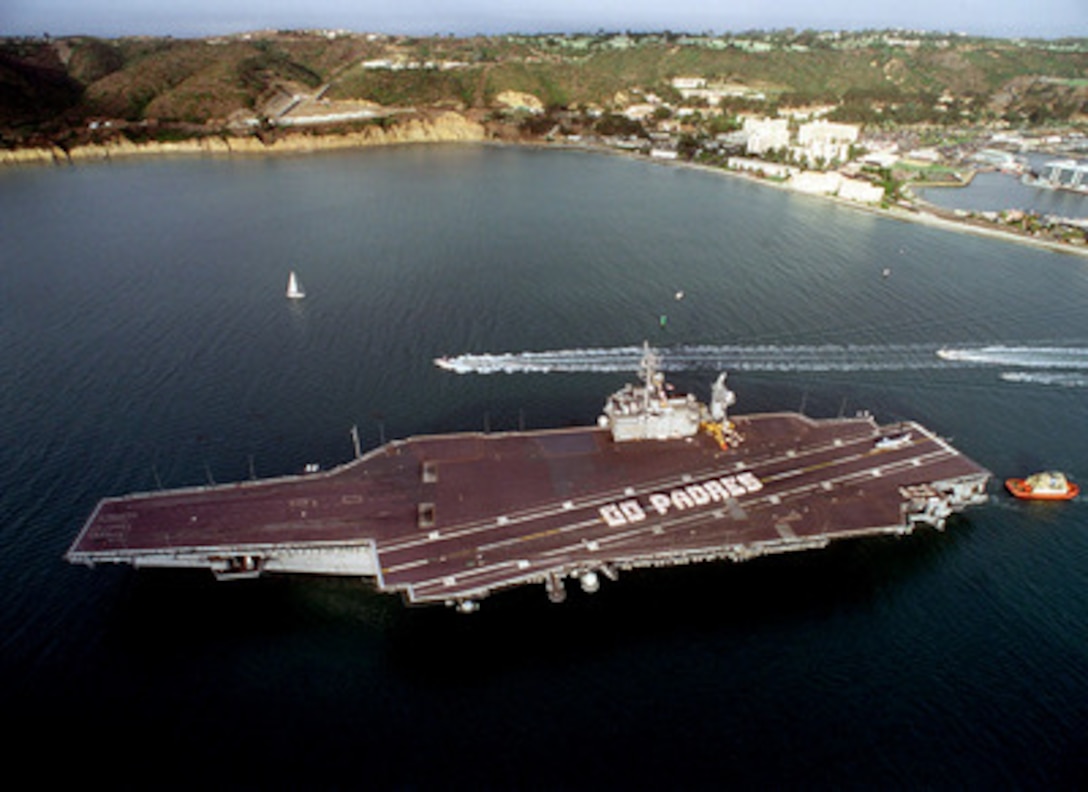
{"type": "Point", "coordinates": [1065, 379]}
{"type": "Point", "coordinates": [614, 359]}
{"type": "Point", "coordinates": [1048, 357]}
{"type": "Point", "coordinates": [772, 358]}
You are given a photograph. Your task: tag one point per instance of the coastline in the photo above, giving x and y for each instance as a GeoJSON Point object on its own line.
{"type": "Point", "coordinates": [426, 128]}
{"type": "Point", "coordinates": [454, 127]}
{"type": "Point", "coordinates": [925, 214]}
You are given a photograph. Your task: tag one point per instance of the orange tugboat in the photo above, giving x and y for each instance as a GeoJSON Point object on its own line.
{"type": "Point", "coordinates": [1050, 485]}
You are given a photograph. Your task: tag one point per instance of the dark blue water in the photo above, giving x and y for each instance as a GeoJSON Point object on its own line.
{"type": "Point", "coordinates": [145, 339]}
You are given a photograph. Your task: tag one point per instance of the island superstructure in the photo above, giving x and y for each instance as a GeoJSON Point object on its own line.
{"type": "Point", "coordinates": [662, 479]}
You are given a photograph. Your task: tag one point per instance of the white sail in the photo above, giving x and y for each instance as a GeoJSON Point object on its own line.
{"type": "Point", "coordinates": [294, 288]}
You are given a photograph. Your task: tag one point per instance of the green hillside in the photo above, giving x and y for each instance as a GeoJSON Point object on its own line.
{"type": "Point", "coordinates": [55, 88]}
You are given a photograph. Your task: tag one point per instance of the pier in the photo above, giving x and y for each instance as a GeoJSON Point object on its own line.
{"type": "Point", "coordinates": [1065, 175]}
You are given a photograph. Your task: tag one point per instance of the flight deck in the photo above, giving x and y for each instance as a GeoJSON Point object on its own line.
{"type": "Point", "coordinates": [453, 518]}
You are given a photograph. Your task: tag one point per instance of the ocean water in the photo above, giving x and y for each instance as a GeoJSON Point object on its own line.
{"type": "Point", "coordinates": [145, 341]}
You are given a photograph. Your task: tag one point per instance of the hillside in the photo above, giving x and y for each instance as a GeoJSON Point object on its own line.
{"type": "Point", "coordinates": [80, 90]}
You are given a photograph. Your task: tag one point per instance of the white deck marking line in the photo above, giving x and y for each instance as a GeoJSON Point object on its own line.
{"type": "Point", "coordinates": [668, 482]}
{"type": "Point", "coordinates": [614, 537]}
{"type": "Point", "coordinates": [678, 522]}
{"type": "Point", "coordinates": [661, 526]}
{"type": "Point", "coordinates": [487, 523]}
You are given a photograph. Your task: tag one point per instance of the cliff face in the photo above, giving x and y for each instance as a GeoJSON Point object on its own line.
{"type": "Point", "coordinates": [438, 128]}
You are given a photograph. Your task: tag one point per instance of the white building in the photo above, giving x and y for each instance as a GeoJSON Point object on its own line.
{"type": "Point", "coordinates": [806, 113]}
{"type": "Point", "coordinates": [684, 83]}
{"type": "Point", "coordinates": [765, 134]}
{"type": "Point", "coordinates": [639, 112]}
{"type": "Point", "coordinates": [827, 141]}
{"type": "Point", "coordinates": [1009, 138]}
{"type": "Point", "coordinates": [831, 183]}
{"type": "Point", "coordinates": [770, 169]}
{"type": "Point", "coordinates": [880, 159]}
{"type": "Point", "coordinates": [861, 191]}
{"type": "Point", "coordinates": [930, 155]}
{"type": "Point", "coordinates": [996, 158]}
{"type": "Point", "coordinates": [816, 183]}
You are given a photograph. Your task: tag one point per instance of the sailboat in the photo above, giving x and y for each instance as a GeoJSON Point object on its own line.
{"type": "Point", "coordinates": [294, 288]}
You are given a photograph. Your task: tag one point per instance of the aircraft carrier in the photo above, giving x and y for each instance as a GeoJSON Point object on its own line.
{"type": "Point", "coordinates": [661, 480]}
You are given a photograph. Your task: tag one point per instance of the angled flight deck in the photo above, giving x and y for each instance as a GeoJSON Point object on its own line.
{"type": "Point", "coordinates": [662, 480]}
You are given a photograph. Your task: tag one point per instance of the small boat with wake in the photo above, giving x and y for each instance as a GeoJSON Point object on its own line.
{"type": "Point", "coordinates": [1049, 485]}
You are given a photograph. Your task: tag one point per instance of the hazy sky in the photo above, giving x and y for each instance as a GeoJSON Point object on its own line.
{"type": "Point", "coordinates": [1045, 18]}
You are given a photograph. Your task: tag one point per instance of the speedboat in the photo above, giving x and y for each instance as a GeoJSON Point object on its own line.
{"type": "Point", "coordinates": [1050, 485]}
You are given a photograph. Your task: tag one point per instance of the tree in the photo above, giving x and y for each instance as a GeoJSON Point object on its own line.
{"type": "Point", "coordinates": [688, 146]}
{"type": "Point", "coordinates": [614, 124]}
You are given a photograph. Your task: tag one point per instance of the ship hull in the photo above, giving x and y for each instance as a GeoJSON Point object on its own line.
{"type": "Point", "coordinates": [454, 518]}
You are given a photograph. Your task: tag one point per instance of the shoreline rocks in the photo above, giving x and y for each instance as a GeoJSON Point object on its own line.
{"type": "Point", "coordinates": [439, 128]}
